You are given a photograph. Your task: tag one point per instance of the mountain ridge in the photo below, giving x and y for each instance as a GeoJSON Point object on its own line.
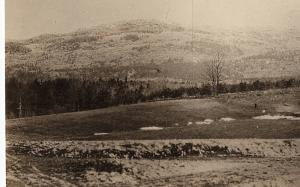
{"type": "Point", "coordinates": [153, 49]}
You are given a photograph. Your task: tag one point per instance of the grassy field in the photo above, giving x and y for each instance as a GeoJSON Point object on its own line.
{"type": "Point", "coordinates": [180, 119]}
{"type": "Point", "coordinates": [63, 150]}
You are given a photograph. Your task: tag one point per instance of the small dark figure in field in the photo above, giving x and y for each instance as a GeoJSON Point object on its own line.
{"type": "Point", "coordinates": [255, 105]}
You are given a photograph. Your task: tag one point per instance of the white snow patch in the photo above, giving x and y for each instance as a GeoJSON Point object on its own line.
{"type": "Point", "coordinates": [276, 117]}
{"type": "Point", "coordinates": [205, 122]}
{"type": "Point", "coordinates": [100, 133]}
{"type": "Point", "coordinates": [190, 123]}
{"type": "Point", "coordinates": [152, 128]}
{"type": "Point", "coordinates": [227, 119]}
{"type": "Point", "coordinates": [263, 111]}
{"type": "Point", "coordinates": [176, 124]}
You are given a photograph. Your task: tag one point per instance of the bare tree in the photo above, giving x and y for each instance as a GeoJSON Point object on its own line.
{"type": "Point", "coordinates": [214, 72]}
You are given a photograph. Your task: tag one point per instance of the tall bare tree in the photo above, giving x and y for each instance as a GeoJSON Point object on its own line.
{"type": "Point", "coordinates": [214, 72]}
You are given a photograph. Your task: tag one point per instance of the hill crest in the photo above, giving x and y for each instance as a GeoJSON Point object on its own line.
{"type": "Point", "coordinates": [145, 46]}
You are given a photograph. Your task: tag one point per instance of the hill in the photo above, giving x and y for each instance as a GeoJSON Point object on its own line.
{"type": "Point", "coordinates": [148, 49]}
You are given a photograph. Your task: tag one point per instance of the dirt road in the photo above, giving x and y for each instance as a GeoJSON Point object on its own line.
{"type": "Point", "coordinates": [173, 163]}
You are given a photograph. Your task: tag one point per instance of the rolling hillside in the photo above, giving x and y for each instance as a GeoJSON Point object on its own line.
{"type": "Point", "coordinates": [178, 119]}
{"type": "Point", "coordinates": [142, 49]}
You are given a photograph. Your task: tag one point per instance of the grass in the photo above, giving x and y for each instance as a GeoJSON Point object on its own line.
{"type": "Point", "coordinates": [123, 122]}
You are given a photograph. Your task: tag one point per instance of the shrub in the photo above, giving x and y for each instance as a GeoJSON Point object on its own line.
{"type": "Point", "coordinates": [13, 47]}
{"type": "Point", "coordinates": [131, 37]}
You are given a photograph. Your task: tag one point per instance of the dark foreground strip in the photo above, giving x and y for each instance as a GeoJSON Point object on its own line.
{"type": "Point", "coordinates": [157, 149]}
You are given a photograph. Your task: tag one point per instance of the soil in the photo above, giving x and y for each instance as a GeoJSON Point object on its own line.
{"type": "Point", "coordinates": [275, 163]}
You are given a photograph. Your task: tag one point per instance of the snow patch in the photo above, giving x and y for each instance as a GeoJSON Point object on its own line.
{"type": "Point", "coordinates": [152, 128]}
{"type": "Point", "coordinates": [100, 133]}
{"type": "Point", "coordinates": [227, 119]}
{"type": "Point", "coordinates": [276, 117]}
{"type": "Point", "coordinates": [205, 122]}
{"type": "Point", "coordinates": [189, 123]}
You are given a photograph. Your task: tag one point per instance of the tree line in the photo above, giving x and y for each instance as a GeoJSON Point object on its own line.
{"type": "Point", "coordinates": [39, 97]}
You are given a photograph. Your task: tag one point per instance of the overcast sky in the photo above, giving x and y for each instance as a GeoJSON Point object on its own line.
{"type": "Point", "coordinates": [28, 18]}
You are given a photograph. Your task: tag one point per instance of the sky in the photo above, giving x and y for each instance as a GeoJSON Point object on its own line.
{"type": "Point", "coordinates": [28, 18]}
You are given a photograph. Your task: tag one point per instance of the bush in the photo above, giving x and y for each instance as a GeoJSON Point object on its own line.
{"type": "Point", "coordinates": [13, 47]}
{"type": "Point", "coordinates": [131, 37]}
{"type": "Point", "coordinates": [67, 45]}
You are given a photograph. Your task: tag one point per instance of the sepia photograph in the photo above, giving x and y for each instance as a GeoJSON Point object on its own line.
{"type": "Point", "coordinates": [116, 93]}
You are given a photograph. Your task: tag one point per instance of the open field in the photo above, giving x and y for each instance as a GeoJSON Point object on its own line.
{"type": "Point", "coordinates": [179, 118]}
{"type": "Point", "coordinates": [222, 141]}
